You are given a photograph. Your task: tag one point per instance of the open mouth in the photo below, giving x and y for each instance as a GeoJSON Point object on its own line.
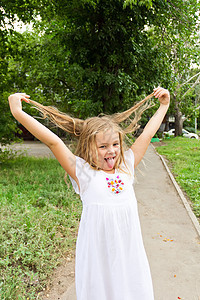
{"type": "Point", "coordinates": [110, 161]}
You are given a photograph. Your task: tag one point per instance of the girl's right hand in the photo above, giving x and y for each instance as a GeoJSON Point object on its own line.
{"type": "Point", "coordinates": [163, 95]}
{"type": "Point", "coordinates": [15, 101]}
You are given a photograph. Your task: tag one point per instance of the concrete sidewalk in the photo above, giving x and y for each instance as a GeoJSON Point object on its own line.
{"type": "Point", "coordinates": [31, 148]}
{"type": "Point", "coordinates": [171, 239]}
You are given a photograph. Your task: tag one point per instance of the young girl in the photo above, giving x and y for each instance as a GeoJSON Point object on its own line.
{"type": "Point", "coordinates": [111, 262]}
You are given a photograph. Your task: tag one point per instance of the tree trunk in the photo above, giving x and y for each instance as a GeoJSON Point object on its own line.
{"type": "Point", "coordinates": [166, 122]}
{"type": "Point", "coordinates": [178, 122]}
{"type": "Point", "coordinates": [178, 118]}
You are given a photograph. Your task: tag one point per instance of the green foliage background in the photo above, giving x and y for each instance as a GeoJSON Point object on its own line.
{"type": "Point", "coordinates": [88, 57]}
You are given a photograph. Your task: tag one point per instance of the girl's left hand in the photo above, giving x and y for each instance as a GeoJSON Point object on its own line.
{"type": "Point", "coordinates": [162, 95]}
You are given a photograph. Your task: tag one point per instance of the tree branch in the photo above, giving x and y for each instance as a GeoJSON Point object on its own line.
{"type": "Point", "coordinates": [194, 84]}
{"type": "Point", "coordinates": [190, 79]}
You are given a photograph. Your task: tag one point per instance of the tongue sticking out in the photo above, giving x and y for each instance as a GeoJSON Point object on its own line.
{"type": "Point", "coordinates": [110, 162]}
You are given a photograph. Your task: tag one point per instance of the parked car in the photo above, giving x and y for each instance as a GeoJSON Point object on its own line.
{"type": "Point", "coordinates": [185, 133]}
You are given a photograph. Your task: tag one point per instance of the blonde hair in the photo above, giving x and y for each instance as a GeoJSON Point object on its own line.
{"type": "Point", "coordinates": [86, 130]}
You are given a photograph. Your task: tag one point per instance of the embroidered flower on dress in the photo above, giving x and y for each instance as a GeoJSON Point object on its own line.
{"type": "Point", "coordinates": [116, 185]}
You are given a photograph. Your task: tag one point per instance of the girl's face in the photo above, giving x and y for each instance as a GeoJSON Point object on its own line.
{"type": "Point", "coordinates": [108, 149]}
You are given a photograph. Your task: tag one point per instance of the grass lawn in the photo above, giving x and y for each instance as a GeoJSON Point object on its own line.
{"type": "Point", "coordinates": [39, 217]}
{"type": "Point", "coordinates": [184, 161]}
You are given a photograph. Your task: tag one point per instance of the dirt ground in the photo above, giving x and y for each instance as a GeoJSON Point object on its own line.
{"type": "Point", "coordinates": [61, 281]}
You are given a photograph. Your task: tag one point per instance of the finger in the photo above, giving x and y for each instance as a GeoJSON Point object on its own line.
{"type": "Point", "coordinates": [159, 92]}
{"type": "Point", "coordinates": [162, 93]}
{"type": "Point", "coordinates": [157, 88]}
{"type": "Point", "coordinates": [25, 95]}
{"type": "Point", "coordinates": [25, 98]}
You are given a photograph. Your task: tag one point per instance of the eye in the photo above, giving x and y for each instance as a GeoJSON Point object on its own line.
{"type": "Point", "coordinates": [116, 144]}
{"type": "Point", "coordinates": [102, 147]}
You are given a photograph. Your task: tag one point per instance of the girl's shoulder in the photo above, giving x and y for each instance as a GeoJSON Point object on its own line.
{"type": "Point", "coordinates": [84, 174]}
{"type": "Point", "coordinates": [81, 164]}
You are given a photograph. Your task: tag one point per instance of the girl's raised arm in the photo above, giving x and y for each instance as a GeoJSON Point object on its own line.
{"type": "Point", "coordinates": [142, 142]}
{"type": "Point", "coordinates": [65, 157]}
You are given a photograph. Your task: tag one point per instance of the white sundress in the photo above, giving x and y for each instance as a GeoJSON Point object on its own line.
{"type": "Point", "coordinates": [111, 262]}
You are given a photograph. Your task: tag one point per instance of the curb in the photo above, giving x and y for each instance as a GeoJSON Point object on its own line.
{"type": "Point", "coordinates": [181, 195]}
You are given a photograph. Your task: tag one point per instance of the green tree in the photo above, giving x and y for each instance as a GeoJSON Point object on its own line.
{"type": "Point", "coordinates": [179, 41]}
{"type": "Point", "coordinates": [103, 54]}
{"type": "Point", "coordinates": [92, 56]}
{"type": "Point", "coordinates": [7, 127]}
{"type": "Point", "coordinates": [9, 45]}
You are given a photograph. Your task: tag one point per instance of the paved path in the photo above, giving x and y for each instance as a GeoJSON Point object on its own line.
{"type": "Point", "coordinates": [32, 149]}
{"type": "Point", "coordinates": [171, 240]}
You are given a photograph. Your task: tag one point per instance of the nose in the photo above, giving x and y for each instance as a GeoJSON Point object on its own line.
{"type": "Point", "coordinates": [111, 150]}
